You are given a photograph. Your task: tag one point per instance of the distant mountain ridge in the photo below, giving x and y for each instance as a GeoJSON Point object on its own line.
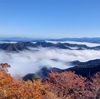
{"type": "Point", "coordinates": [25, 39]}
{"type": "Point", "coordinates": [19, 46]}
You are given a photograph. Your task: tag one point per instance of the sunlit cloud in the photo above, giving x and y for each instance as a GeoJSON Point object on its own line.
{"type": "Point", "coordinates": [27, 61]}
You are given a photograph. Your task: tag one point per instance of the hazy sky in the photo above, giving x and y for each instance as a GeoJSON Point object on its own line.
{"type": "Point", "coordinates": [50, 18]}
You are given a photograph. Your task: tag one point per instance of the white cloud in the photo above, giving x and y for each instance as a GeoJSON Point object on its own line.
{"type": "Point", "coordinates": [31, 61]}
{"type": "Point", "coordinates": [74, 42]}
{"type": "Point", "coordinates": [84, 43]}
{"type": "Point", "coordinates": [2, 42]}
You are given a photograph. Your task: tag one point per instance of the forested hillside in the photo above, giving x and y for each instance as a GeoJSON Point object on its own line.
{"type": "Point", "coordinates": [64, 85]}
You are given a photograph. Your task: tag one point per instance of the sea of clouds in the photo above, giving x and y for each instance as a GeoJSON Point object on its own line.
{"type": "Point", "coordinates": [30, 61]}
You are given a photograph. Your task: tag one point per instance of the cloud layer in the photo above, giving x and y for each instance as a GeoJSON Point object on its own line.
{"type": "Point", "coordinates": [31, 61]}
{"type": "Point", "coordinates": [2, 42]}
{"type": "Point", "coordinates": [79, 43]}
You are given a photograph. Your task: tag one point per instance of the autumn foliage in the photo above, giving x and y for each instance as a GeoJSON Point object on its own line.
{"type": "Point", "coordinates": [64, 85]}
{"type": "Point", "coordinates": [68, 85]}
{"type": "Point", "coordinates": [18, 89]}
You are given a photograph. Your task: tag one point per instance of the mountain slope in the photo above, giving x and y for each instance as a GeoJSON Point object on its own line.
{"type": "Point", "coordinates": [85, 69]}
{"type": "Point", "coordinates": [19, 46]}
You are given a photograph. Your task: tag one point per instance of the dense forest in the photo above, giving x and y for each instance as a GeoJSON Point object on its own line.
{"type": "Point", "coordinates": [63, 85]}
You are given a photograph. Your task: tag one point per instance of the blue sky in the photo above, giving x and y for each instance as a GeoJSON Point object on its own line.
{"type": "Point", "coordinates": [50, 18]}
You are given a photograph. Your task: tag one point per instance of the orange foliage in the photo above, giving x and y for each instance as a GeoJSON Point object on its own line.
{"type": "Point", "coordinates": [96, 85]}
{"type": "Point", "coordinates": [18, 89]}
{"type": "Point", "coordinates": [68, 84]}
{"type": "Point", "coordinates": [64, 85]}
